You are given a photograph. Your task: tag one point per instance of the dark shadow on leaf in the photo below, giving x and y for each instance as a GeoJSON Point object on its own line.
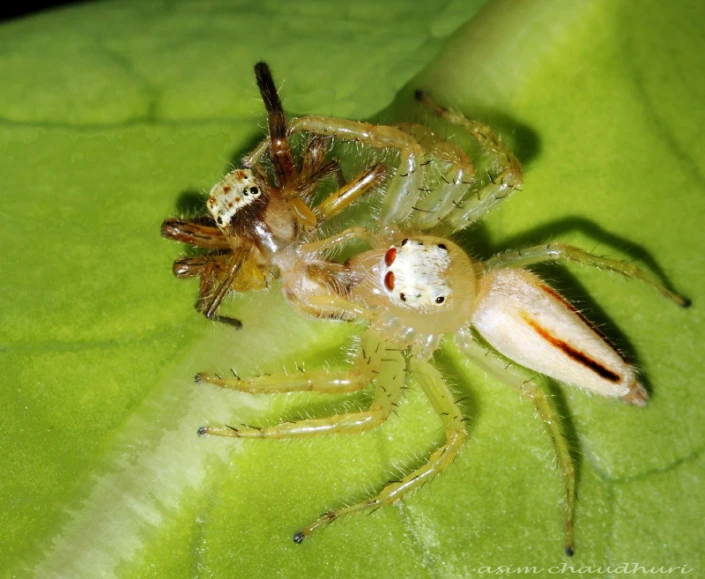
{"type": "Point", "coordinates": [191, 203]}
{"type": "Point", "coordinates": [465, 396]}
{"type": "Point", "coordinates": [520, 138]}
{"type": "Point", "coordinates": [555, 390]}
{"type": "Point", "coordinates": [237, 154]}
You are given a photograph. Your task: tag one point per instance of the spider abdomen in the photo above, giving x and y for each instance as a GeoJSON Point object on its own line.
{"type": "Point", "coordinates": [529, 322]}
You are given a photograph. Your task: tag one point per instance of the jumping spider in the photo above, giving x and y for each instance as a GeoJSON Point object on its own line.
{"type": "Point", "coordinates": [413, 287]}
{"type": "Point", "coordinates": [256, 223]}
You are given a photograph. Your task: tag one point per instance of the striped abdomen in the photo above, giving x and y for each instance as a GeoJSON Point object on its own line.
{"type": "Point", "coordinates": [532, 324]}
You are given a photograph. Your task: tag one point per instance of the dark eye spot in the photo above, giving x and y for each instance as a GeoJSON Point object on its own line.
{"type": "Point", "coordinates": [254, 190]}
{"type": "Point", "coordinates": [440, 299]}
{"type": "Point", "coordinates": [402, 296]}
{"type": "Point", "coordinates": [404, 241]}
{"type": "Point", "coordinates": [442, 246]}
{"type": "Point", "coordinates": [220, 220]}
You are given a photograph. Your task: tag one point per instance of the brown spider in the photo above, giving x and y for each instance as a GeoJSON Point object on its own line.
{"type": "Point", "coordinates": [256, 222]}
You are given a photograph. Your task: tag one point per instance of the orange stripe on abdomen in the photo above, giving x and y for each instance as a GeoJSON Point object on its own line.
{"type": "Point", "coordinates": [571, 352]}
{"type": "Point", "coordinates": [555, 295]}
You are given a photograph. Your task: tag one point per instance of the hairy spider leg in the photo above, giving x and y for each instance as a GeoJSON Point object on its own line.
{"type": "Point", "coordinates": [312, 171]}
{"type": "Point", "coordinates": [340, 238]}
{"type": "Point", "coordinates": [218, 271]}
{"type": "Point", "coordinates": [312, 162]}
{"type": "Point", "coordinates": [329, 306]}
{"type": "Point", "coordinates": [456, 172]}
{"type": "Point", "coordinates": [442, 400]}
{"type": "Point", "coordinates": [376, 364]}
{"type": "Point", "coordinates": [280, 150]}
{"type": "Point", "coordinates": [519, 258]}
{"type": "Point", "coordinates": [210, 266]}
{"type": "Point", "coordinates": [209, 301]}
{"type": "Point", "coordinates": [351, 191]}
{"type": "Point", "coordinates": [404, 188]}
{"type": "Point", "coordinates": [296, 184]}
{"type": "Point", "coordinates": [505, 178]}
{"type": "Point", "coordinates": [322, 381]}
{"type": "Point", "coordinates": [514, 376]}
{"type": "Point", "coordinates": [194, 233]}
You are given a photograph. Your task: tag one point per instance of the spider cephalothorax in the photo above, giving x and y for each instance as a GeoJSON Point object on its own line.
{"type": "Point", "coordinates": [237, 200]}
{"type": "Point", "coordinates": [415, 273]}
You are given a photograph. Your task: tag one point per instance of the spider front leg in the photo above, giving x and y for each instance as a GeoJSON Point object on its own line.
{"type": "Point", "coordinates": [377, 364]}
{"type": "Point", "coordinates": [456, 173]}
{"type": "Point", "coordinates": [280, 150]}
{"type": "Point", "coordinates": [505, 175]}
{"type": "Point", "coordinates": [405, 187]}
{"type": "Point", "coordinates": [519, 258]}
{"type": "Point", "coordinates": [351, 191]}
{"type": "Point", "coordinates": [513, 376]}
{"type": "Point", "coordinates": [443, 403]}
{"type": "Point", "coordinates": [194, 233]}
{"type": "Point", "coordinates": [335, 241]}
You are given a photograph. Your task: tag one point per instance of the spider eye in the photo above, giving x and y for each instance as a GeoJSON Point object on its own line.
{"type": "Point", "coordinates": [390, 256]}
{"type": "Point", "coordinates": [254, 190]}
{"type": "Point", "coordinates": [404, 241]}
{"type": "Point", "coordinates": [442, 246]}
{"type": "Point", "coordinates": [402, 296]}
{"type": "Point", "coordinates": [389, 280]}
{"type": "Point", "coordinates": [440, 299]}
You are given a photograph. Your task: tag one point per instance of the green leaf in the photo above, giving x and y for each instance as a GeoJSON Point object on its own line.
{"type": "Point", "coordinates": [114, 113]}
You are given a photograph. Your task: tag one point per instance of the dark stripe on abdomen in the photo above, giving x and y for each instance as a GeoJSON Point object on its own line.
{"type": "Point", "coordinates": [555, 295]}
{"type": "Point", "coordinates": [571, 352]}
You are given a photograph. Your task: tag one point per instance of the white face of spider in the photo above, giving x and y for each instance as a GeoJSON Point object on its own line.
{"type": "Point", "coordinates": [237, 190]}
{"type": "Point", "coordinates": [415, 276]}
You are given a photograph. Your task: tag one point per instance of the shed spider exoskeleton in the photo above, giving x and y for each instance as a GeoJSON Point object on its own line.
{"type": "Point", "coordinates": [255, 224]}
{"type": "Point", "coordinates": [413, 289]}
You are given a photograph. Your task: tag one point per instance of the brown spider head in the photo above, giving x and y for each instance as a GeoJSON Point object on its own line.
{"type": "Point", "coordinates": [238, 202]}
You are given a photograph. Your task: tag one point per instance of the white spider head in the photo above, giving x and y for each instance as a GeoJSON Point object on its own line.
{"type": "Point", "coordinates": [415, 275]}
{"type": "Point", "coordinates": [237, 194]}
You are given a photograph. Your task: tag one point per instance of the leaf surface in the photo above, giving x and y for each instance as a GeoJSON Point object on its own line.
{"type": "Point", "coordinates": [114, 114]}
